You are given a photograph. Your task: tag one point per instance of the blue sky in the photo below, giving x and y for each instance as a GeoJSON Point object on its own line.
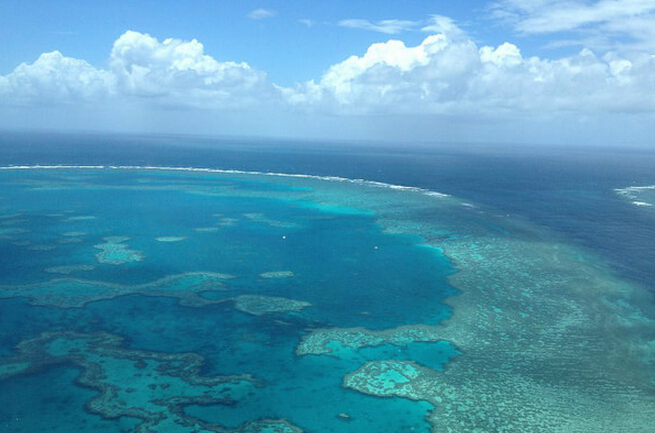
{"type": "Point", "coordinates": [525, 71]}
{"type": "Point", "coordinates": [297, 42]}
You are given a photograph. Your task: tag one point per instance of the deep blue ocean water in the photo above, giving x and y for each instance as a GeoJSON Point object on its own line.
{"type": "Point", "coordinates": [569, 189]}
{"type": "Point", "coordinates": [385, 279]}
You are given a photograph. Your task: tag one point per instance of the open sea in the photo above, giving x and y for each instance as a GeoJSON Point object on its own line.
{"type": "Point", "coordinates": [188, 284]}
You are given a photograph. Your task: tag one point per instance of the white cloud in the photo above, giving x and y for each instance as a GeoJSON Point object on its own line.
{"type": "Point", "coordinates": [178, 72]}
{"type": "Point", "coordinates": [441, 24]}
{"type": "Point", "coordinates": [556, 15]}
{"type": "Point", "coordinates": [260, 14]}
{"type": "Point", "coordinates": [600, 20]}
{"type": "Point", "coordinates": [448, 74]}
{"type": "Point", "coordinates": [393, 76]}
{"type": "Point", "coordinates": [53, 78]}
{"type": "Point", "coordinates": [447, 79]}
{"type": "Point", "coordinates": [170, 73]}
{"type": "Point", "coordinates": [390, 27]}
{"type": "Point", "coordinates": [435, 24]}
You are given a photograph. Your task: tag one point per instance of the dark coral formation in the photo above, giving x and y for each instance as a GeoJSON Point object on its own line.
{"type": "Point", "coordinates": [151, 386]}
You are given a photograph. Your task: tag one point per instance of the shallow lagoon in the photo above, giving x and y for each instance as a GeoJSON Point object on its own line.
{"type": "Point", "coordinates": [535, 324]}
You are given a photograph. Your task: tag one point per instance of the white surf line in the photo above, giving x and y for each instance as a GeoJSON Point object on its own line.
{"type": "Point", "coordinates": [371, 183]}
{"type": "Point", "coordinates": [628, 189]}
{"type": "Point", "coordinates": [632, 193]}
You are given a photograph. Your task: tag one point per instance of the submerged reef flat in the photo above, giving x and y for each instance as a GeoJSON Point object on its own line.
{"type": "Point", "coordinates": [263, 219]}
{"type": "Point", "coordinates": [153, 387]}
{"type": "Point", "coordinates": [277, 274]}
{"type": "Point", "coordinates": [81, 218]}
{"type": "Point", "coordinates": [115, 252]}
{"type": "Point", "coordinates": [74, 234]}
{"type": "Point", "coordinates": [329, 341]}
{"type": "Point", "coordinates": [393, 378]}
{"type": "Point", "coordinates": [41, 247]}
{"type": "Point", "coordinates": [187, 288]}
{"type": "Point", "coordinates": [226, 222]}
{"type": "Point", "coordinates": [546, 345]}
{"type": "Point", "coordinates": [8, 233]}
{"type": "Point", "coordinates": [70, 241]}
{"type": "Point", "coordinates": [549, 343]}
{"type": "Point", "coordinates": [11, 216]}
{"type": "Point", "coordinates": [23, 243]}
{"type": "Point", "coordinates": [258, 304]}
{"type": "Point", "coordinates": [206, 229]}
{"type": "Point", "coordinates": [69, 269]}
{"type": "Point", "coordinates": [549, 340]}
{"type": "Point", "coordinates": [170, 239]}
{"type": "Point", "coordinates": [75, 293]}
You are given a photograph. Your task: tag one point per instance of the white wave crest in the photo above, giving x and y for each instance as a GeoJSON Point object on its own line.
{"type": "Point", "coordinates": [642, 196]}
{"type": "Point", "coordinates": [370, 183]}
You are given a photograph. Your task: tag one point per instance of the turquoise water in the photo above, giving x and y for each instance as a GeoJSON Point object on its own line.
{"type": "Point", "coordinates": [212, 301]}
{"type": "Point", "coordinates": [339, 261]}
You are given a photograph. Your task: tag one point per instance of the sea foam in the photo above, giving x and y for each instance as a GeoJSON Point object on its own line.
{"type": "Point", "coordinates": [370, 183]}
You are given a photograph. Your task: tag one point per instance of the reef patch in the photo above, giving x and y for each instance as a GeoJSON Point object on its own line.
{"type": "Point", "coordinates": [153, 387]}
{"type": "Point", "coordinates": [116, 252]}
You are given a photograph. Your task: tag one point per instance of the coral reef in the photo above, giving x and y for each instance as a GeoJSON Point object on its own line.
{"type": "Point", "coordinates": [329, 341]}
{"type": "Point", "coordinates": [115, 252]}
{"type": "Point", "coordinates": [154, 387]}
{"type": "Point", "coordinates": [258, 304]}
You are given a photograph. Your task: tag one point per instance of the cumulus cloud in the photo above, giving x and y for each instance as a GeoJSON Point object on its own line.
{"type": "Point", "coordinates": [449, 74]}
{"type": "Point", "coordinates": [141, 68]}
{"type": "Point", "coordinates": [179, 72]}
{"type": "Point", "coordinates": [390, 27]}
{"type": "Point", "coordinates": [54, 78]}
{"type": "Point", "coordinates": [393, 77]}
{"type": "Point", "coordinates": [260, 14]}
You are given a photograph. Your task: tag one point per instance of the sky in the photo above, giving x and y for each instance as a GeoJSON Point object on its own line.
{"type": "Point", "coordinates": [543, 72]}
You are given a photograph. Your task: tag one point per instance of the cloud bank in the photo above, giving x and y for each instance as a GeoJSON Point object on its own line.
{"type": "Point", "coordinates": [140, 68]}
{"type": "Point", "coordinates": [54, 78]}
{"type": "Point", "coordinates": [449, 74]}
{"type": "Point", "coordinates": [446, 78]}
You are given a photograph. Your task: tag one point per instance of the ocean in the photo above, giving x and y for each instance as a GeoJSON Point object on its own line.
{"type": "Point", "coordinates": [187, 284]}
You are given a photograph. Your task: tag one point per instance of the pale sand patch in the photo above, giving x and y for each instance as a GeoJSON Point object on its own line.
{"type": "Point", "coordinates": [170, 239]}
{"type": "Point", "coordinates": [277, 274]}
